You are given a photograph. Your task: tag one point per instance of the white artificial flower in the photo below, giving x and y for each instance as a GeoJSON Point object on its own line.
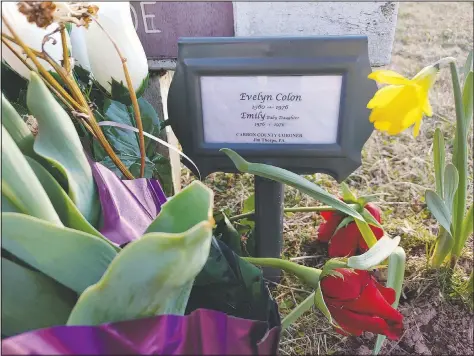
{"type": "Point", "coordinates": [105, 63]}
{"type": "Point", "coordinates": [79, 47]}
{"type": "Point", "coordinates": [32, 36]}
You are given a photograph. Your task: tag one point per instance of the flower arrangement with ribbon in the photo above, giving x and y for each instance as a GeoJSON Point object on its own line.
{"type": "Point", "coordinates": [93, 62]}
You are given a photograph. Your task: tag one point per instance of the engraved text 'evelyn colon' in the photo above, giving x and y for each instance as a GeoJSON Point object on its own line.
{"type": "Point", "coordinates": [262, 98]}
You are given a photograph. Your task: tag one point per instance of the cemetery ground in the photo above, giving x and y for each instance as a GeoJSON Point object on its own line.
{"type": "Point", "coordinates": [437, 320]}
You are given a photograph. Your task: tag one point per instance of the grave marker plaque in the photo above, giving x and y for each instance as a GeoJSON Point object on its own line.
{"type": "Point", "coordinates": [294, 102]}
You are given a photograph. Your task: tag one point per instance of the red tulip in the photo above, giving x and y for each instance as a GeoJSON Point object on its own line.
{"type": "Point", "coordinates": [359, 303]}
{"type": "Point", "coordinates": [327, 228]}
{"type": "Point", "coordinates": [348, 240]}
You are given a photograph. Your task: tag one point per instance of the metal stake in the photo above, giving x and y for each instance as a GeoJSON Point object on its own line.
{"type": "Point", "coordinates": [269, 196]}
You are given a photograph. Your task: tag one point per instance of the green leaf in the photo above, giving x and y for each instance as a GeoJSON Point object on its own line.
{"type": "Point", "coordinates": [396, 274]}
{"type": "Point", "coordinates": [31, 300]}
{"type": "Point", "coordinates": [347, 195]}
{"type": "Point", "coordinates": [451, 180]}
{"type": "Point", "coordinates": [460, 161]}
{"type": "Point", "coordinates": [190, 206]}
{"type": "Point", "coordinates": [249, 204]}
{"type": "Point", "coordinates": [120, 93]}
{"type": "Point", "coordinates": [467, 99]}
{"type": "Point", "coordinates": [20, 184]}
{"type": "Point", "coordinates": [154, 275]}
{"type": "Point", "coordinates": [468, 64]}
{"type": "Point", "coordinates": [467, 226]}
{"type": "Point", "coordinates": [439, 161]}
{"type": "Point", "coordinates": [57, 141]}
{"type": "Point", "coordinates": [162, 172]}
{"type": "Point", "coordinates": [291, 179]}
{"type": "Point", "coordinates": [375, 255]}
{"type": "Point", "coordinates": [439, 209]}
{"type": "Point", "coordinates": [126, 143]}
{"type": "Point", "coordinates": [330, 266]}
{"type": "Point", "coordinates": [227, 233]}
{"type": "Point", "coordinates": [151, 276]}
{"type": "Point", "coordinates": [151, 124]}
{"type": "Point", "coordinates": [8, 206]}
{"type": "Point", "coordinates": [443, 246]}
{"type": "Point", "coordinates": [17, 128]}
{"type": "Point", "coordinates": [346, 221]}
{"type": "Point", "coordinates": [68, 213]}
{"type": "Point", "coordinates": [71, 257]}
{"type": "Point", "coordinates": [366, 233]}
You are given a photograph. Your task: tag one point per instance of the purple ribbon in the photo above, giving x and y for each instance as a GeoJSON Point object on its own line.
{"type": "Point", "coordinates": [203, 332]}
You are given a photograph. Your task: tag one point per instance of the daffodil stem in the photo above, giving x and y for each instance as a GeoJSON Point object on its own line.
{"type": "Point", "coordinates": [302, 308]}
{"type": "Point", "coordinates": [306, 209]}
{"type": "Point", "coordinates": [308, 275]}
{"type": "Point", "coordinates": [460, 161]}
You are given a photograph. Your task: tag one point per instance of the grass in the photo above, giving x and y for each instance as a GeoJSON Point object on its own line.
{"type": "Point", "coordinates": [399, 168]}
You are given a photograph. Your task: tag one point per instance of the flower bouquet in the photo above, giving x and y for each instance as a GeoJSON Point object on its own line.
{"type": "Point", "coordinates": [97, 261]}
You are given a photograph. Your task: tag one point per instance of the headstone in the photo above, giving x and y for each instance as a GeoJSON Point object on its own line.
{"type": "Point", "coordinates": [376, 20]}
{"type": "Point", "coordinates": [159, 24]}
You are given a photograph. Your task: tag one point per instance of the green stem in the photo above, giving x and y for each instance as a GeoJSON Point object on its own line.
{"type": "Point", "coordinates": [460, 161]}
{"type": "Point", "coordinates": [307, 274]}
{"type": "Point", "coordinates": [396, 274]}
{"type": "Point", "coordinates": [305, 209]}
{"type": "Point", "coordinates": [367, 233]}
{"type": "Point", "coordinates": [303, 307]}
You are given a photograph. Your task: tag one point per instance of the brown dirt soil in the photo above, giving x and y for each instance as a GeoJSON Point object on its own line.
{"type": "Point", "coordinates": [400, 168]}
{"type": "Point", "coordinates": [431, 327]}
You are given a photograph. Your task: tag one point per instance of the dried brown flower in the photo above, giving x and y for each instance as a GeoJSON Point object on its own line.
{"type": "Point", "coordinates": [44, 13]}
{"type": "Point", "coordinates": [39, 12]}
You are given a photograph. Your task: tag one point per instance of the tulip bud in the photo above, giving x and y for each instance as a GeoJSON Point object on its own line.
{"type": "Point", "coordinates": [79, 47]}
{"type": "Point", "coordinates": [32, 36]}
{"type": "Point", "coordinates": [105, 63]}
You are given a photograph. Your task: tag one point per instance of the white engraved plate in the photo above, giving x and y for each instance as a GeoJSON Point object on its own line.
{"type": "Point", "coordinates": [271, 109]}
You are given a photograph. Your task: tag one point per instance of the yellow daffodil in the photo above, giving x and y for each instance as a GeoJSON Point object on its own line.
{"type": "Point", "coordinates": [402, 103]}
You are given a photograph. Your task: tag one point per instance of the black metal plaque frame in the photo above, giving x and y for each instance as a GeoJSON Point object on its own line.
{"type": "Point", "coordinates": [274, 56]}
